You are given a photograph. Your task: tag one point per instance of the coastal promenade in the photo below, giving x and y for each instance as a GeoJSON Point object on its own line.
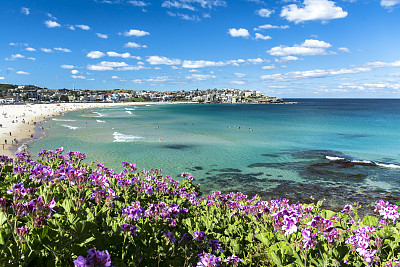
{"type": "Point", "coordinates": [18, 122]}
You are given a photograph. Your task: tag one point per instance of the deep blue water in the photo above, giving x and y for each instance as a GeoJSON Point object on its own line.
{"type": "Point", "coordinates": [271, 150]}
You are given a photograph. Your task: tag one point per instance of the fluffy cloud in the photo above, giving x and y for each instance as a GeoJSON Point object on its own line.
{"type": "Point", "coordinates": [239, 32]}
{"type": "Point", "coordinates": [263, 12]}
{"type": "Point", "coordinates": [262, 37]}
{"type": "Point", "coordinates": [309, 47]}
{"type": "Point", "coordinates": [137, 33]}
{"type": "Point", "coordinates": [74, 71]}
{"type": "Point", "coordinates": [123, 55]}
{"type": "Point", "coordinates": [67, 66]}
{"type": "Point", "coordinates": [183, 16]}
{"type": "Point", "coordinates": [95, 54]}
{"type": "Point", "coordinates": [66, 50]}
{"type": "Point", "coordinates": [83, 27]}
{"type": "Point", "coordinates": [196, 64]}
{"type": "Point", "coordinates": [78, 77]}
{"type": "Point", "coordinates": [269, 67]}
{"type": "Point", "coordinates": [46, 50]}
{"type": "Point", "coordinates": [313, 74]}
{"type": "Point", "coordinates": [2, 78]}
{"type": "Point", "coordinates": [30, 49]}
{"type": "Point", "coordinates": [157, 60]}
{"type": "Point", "coordinates": [389, 3]}
{"type": "Point", "coordinates": [51, 24]}
{"type": "Point", "coordinates": [134, 45]}
{"type": "Point", "coordinates": [193, 4]}
{"type": "Point", "coordinates": [286, 59]}
{"type": "Point", "coordinates": [106, 65]}
{"type": "Point", "coordinates": [344, 49]}
{"type": "Point", "coordinates": [237, 82]}
{"type": "Point", "coordinates": [240, 75]}
{"type": "Point", "coordinates": [138, 3]}
{"type": "Point", "coordinates": [100, 35]}
{"type": "Point", "coordinates": [16, 56]}
{"type": "Point", "coordinates": [269, 26]}
{"type": "Point", "coordinates": [25, 10]}
{"type": "Point", "coordinates": [200, 77]}
{"type": "Point", "coordinates": [323, 10]}
{"type": "Point", "coordinates": [378, 64]}
{"type": "Point", "coordinates": [23, 72]}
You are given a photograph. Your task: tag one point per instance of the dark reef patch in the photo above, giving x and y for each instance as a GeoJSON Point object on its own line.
{"type": "Point", "coordinates": [225, 170]}
{"type": "Point", "coordinates": [353, 136]}
{"type": "Point", "coordinates": [178, 147]}
{"type": "Point", "coordinates": [270, 155]}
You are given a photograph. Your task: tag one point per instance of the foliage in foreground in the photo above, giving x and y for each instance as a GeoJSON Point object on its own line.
{"type": "Point", "coordinates": [59, 211]}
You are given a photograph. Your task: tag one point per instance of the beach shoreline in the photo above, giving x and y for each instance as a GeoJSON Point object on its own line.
{"type": "Point", "coordinates": [18, 123]}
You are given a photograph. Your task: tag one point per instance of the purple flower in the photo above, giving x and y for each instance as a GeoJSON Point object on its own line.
{"type": "Point", "coordinates": [134, 212]}
{"type": "Point", "coordinates": [170, 236]}
{"type": "Point", "coordinates": [233, 259]}
{"type": "Point", "coordinates": [129, 228]}
{"type": "Point", "coordinates": [309, 239]}
{"type": "Point", "coordinates": [214, 245]}
{"type": "Point", "coordinates": [208, 260]}
{"type": "Point", "coordinates": [95, 258]}
{"type": "Point", "coordinates": [199, 236]}
{"type": "Point", "coordinates": [347, 208]}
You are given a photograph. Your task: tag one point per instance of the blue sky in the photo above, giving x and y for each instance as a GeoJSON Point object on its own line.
{"type": "Point", "coordinates": [301, 48]}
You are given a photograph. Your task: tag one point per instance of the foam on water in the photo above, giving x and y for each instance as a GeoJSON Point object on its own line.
{"type": "Point", "coordinates": [57, 119]}
{"type": "Point", "coordinates": [129, 109]}
{"type": "Point", "coordinates": [70, 127]}
{"type": "Point", "coordinates": [385, 165]}
{"type": "Point", "coordinates": [100, 121]}
{"type": "Point", "coordinates": [100, 114]}
{"type": "Point", "coordinates": [121, 138]}
{"type": "Point", "coordinates": [334, 158]}
{"type": "Point", "coordinates": [129, 112]}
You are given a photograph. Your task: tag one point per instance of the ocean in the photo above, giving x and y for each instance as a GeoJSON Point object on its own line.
{"type": "Point", "coordinates": [342, 151]}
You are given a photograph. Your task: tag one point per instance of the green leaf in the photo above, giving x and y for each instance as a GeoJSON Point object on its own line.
{"type": "Point", "coordinates": [265, 238]}
{"type": "Point", "coordinates": [371, 221]}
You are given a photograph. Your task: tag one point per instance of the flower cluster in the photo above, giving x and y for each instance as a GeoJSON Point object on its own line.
{"type": "Point", "coordinates": [361, 242]}
{"type": "Point", "coordinates": [388, 211]}
{"type": "Point", "coordinates": [95, 258]}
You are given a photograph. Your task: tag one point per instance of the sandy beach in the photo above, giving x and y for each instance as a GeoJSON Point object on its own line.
{"type": "Point", "coordinates": [18, 122]}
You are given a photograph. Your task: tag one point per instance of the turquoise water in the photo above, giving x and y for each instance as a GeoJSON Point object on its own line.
{"type": "Point", "coordinates": [271, 150]}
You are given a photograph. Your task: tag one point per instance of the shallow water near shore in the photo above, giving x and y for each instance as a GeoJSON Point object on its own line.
{"type": "Point", "coordinates": [344, 151]}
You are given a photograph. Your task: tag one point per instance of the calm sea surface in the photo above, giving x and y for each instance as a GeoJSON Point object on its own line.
{"type": "Point", "coordinates": [271, 150]}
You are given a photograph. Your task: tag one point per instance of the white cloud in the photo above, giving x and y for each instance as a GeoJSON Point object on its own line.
{"type": "Point", "coordinates": [389, 3]}
{"type": "Point", "coordinates": [323, 10]}
{"type": "Point", "coordinates": [237, 82]}
{"type": "Point", "coordinates": [137, 33]}
{"type": "Point", "coordinates": [183, 16]}
{"type": "Point", "coordinates": [239, 32]}
{"type": "Point", "coordinates": [23, 72]}
{"type": "Point", "coordinates": [67, 66]}
{"type": "Point", "coordinates": [25, 10]}
{"type": "Point", "coordinates": [115, 54]}
{"type": "Point", "coordinates": [344, 49]}
{"type": "Point", "coordinates": [131, 68]}
{"type": "Point", "coordinates": [157, 60]}
{"type": "Point", "coordinates": [83, 27]}
{"type": "Point", "coordinates": [2, 78]}
{"type": "Point", "coordinates": [46, 50]}
{"type": "Point", "coordinates": [262, 37]}
{"type": "Point", "coordinates": [193, 4]}
{"type": "Point", "coordinates": [106, 65]}
{"type": "Point", "coordinates": [138, 3]}
{"type": "Point", "coordinates": [31, 49]}
{"type": "Point", "coordinates": [269, 26]}
{"type": "Point", "coordinates": [196, 64]}
{"type": "Point", "coordinates": [309, 47]}
{"type": "Point", "coordinates": [115, 77]}
{"type": "Point", "coordinates": [31, 58]}
{"type": "Point", "coordinates": [269, 67]}
{"type": "Point", "coordinates": [17, 56]}
{"type": "Point", "coordinates": [66, 50]}
{"type": "Point", "coordinates": [74, 71]}
{"type": "Point", "coordinates": [200, 77]}
{"type": "Point", "coordinates": [193, 70]}
{"type": "Point", "coordinates": [263, 12]}
{"type": "Point", "coordinates": [286, 59]}
{"type": "Point", "coordinates": [100, 35]}
{"type": "Point", "coordinates": [378, 64]}
{"type": "Point", "coordinates": [78, 77]}
{"type": "Point", "coordinates": [313, 74]}
{"type": "Point", "coordinates": [51, 24]}
{"type": "Point", "coordinates": [72, 28]}
{"type": "Point", "coordinates": [134, 45]}
{"type": "Point", "coordinates": [95, 54]}
{"type": "Point", "coordinates": [240, 75]}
